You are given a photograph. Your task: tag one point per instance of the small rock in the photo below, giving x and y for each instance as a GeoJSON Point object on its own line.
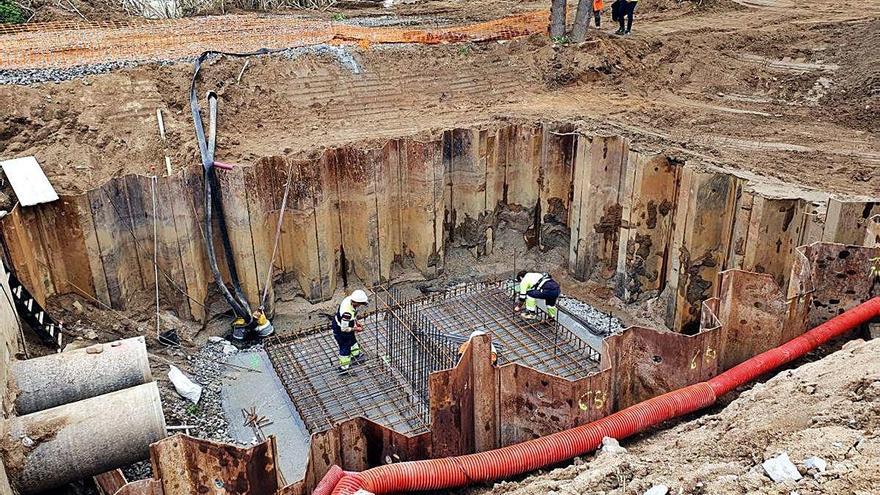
{"type": "Point", "coordinates": [816, 463]}
{"type": "Point", "coordinates": [612, 446]}
{"type": "Point", "coordinates": [852, 343]}
{"type": "Point", "coordinates": [229, 349]}
{"type": "Point", "coordinates": [27, 441]}
{"type": "Point", "coordinates": [78, 306]}
{"type": "Point", "coordinates": [95, 349]}
{"type": "Point", "coordinates": [91, 335]}
{"type": "Point", "coordinates": [780, 468]}
{"type": "Point", "coordinates": [215, 339]}
{"type": "Point", "coordinates": [657, 490]}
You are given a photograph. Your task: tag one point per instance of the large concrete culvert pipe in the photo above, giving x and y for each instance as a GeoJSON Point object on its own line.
{"type": "Point", "coordinates": [50, 448]}
{"type": "Point", "coordinates": [67, 377]}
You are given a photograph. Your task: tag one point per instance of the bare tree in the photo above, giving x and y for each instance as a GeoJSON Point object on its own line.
{"type": "Point", "coordinates": [557, 18]}
{"type": "Point", "coordinates": [582, 21]}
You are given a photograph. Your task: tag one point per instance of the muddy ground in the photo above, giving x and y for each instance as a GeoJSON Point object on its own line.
{"type": "Point", "coordinates": [783, 90]}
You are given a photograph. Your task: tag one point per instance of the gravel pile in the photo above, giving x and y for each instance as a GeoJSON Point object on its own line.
{"type": "Point", "coordinates": [34, 76]}
{"type": "Point", "coordinates": [206, 418]}
{"type": "Point", "coordinates": [600, 323]}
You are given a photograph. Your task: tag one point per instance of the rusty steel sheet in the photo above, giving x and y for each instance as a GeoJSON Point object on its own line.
{"type": "Point", "coordinates": [846, 221]}
{"type": "Point", "coordinates": [142, 487]}
{"type": "Point", "coordinates": [452, 408]}
{"type": "Point", "coordinates": [751, 310]}
{"type": "Point", "coordinates": [648, 362]}
{"type": "Point", "coordinates": [355, 445]}
{"type": "Point", "coordinates": [110, 482]}
{"type": "Point", "coordinates": [832, 278]}
{"type": "Point", "coordinates": [557, 166]}
{"type": "Point", "coordinates": [187, 465]}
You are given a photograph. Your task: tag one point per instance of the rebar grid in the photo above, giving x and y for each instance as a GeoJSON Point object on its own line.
{"type": "Point", "coordinates": [404, 341]}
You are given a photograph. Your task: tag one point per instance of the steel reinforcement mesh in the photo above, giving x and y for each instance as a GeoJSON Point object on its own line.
{"type": "Point", "coordinates": [403, 342]}
{"type": "Point", "coordinates": [68, 44]}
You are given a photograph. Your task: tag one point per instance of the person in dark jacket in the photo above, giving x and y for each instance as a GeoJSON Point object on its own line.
{"type": "Point", "coordinates": [625, 11]}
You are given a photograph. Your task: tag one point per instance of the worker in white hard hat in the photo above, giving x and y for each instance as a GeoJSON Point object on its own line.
{"type": "Point", "coordinates": [345, 329]}
{"type": "Point", "coordinates": [534, 286]}
{"type": "Point", "coordinates": [477, 333]}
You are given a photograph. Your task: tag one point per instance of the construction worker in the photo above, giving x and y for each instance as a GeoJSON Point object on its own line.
{"type": "Point", "coordinates": [477, 333]}
{"type": "Point", "coordinates": [534, 286]}
{"type": "Point", "coordinates": [345, 328]}
{"type": "Point", "coordinates": [598, 5]}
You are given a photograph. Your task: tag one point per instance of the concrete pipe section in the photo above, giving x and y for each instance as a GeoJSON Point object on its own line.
{"type": "Point", "coordinates": [50, 448]}
{"type": "Point", "coordinates": [67, 377]}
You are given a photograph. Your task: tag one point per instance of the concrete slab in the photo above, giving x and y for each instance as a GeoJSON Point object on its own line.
{"type": "Point", "coordinates": [245, 390]}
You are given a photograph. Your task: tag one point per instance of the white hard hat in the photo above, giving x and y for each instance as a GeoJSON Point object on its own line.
{"type": "Point", "coordinates": [477, 333]}
{"type": "Point", "coordinates": [359, 296]}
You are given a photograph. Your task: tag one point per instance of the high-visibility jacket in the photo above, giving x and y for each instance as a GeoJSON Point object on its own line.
{"type": "Point", "coordinates": [346, 315]}
{"type": "Point", "coordinates": [532, 281]}
{"type": "Point", "coordinates": [598, 5]}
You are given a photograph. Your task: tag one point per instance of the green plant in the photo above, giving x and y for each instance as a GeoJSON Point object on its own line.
{"type": "Point", "coordinates": [192, 409]}
{"type": "Point", "coordinates": [465, 49]}
{"type": "Point", "coordinates": [560, 40]}
{"type": "Point", "coordinates": [339, 16]}
{"type": "Point", "coordinates": [10, 13]}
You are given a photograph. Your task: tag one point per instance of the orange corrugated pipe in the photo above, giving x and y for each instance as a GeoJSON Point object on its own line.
{"type": "Point", "coordinates": [451, 472]}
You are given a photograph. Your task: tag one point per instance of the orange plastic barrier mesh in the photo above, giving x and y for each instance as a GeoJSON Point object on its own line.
{"type": "Point", "coordinates": [68, 44]}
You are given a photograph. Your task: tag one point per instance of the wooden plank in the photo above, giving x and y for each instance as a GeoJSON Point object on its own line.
{"type": "Point", "coordinates": [464, 187]}
{"type": "Point", "coordinates": [576, 263]}
{"type": "Point", "coordinates": [496, 163]}
{"type": "Point", "coordinates": [326, 221]}
{"type": "Point", "coordinates": [65, 239]}
{"type": "Point", "coordinates": [234, 192]}
{"type": "Point", "coordinates": [557, 165]}
{"type": "Point", "coordinates": [23, 259]}
{"type": "Point", "coordinates": [83, 206]}
{"type": "Point", "coordinates": [115, 241]}
{"type": "Point", "coordinates": [168, 255]}
{"type": "Point", "coordinates": [263, 215]}
{"type": "Point", "coordinates": [648, 226]}
{"type": "Point", "coordinates": [523, 167]}
{"type": "Point", "coordinates": [185, 195]}
{"type": "Point", "coordinates": [601, 208]}
{"type": "Point", "coordinates": [301, 250]}
{"type": "Point", "coordinates": [356, 176]}
{"type": "Point", "coordinates": [387, 191]}
{"type": "Point", "coordinates": [421, 169]}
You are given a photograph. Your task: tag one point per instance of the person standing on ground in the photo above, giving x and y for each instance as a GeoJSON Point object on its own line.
{"type": "Point", "coordinates": [534, 286]}
{"type": "Point", "coordinates": [627, 9]}
{"type": "Point", "coordinates": [598, 5]}
{"type": "Point", "coordinates": [345, 328]}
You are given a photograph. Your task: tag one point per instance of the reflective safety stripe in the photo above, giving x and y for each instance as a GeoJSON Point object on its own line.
{"type": "Point", "coordinates": [551, 310]}
{"type": "Point", "coordinates": [345, 361]}
{"type": "Point", "coordinates": [355, 350]}
{"type": "Point", "coordinates": [531, 304]}
{"type": "Point", "coordinates": [346, 306]}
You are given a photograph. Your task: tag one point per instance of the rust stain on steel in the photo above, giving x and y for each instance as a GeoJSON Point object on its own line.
{"type": "Point", "coordinates": [188, 465]}
{"type": "Point", "coordinates": [142, 487]}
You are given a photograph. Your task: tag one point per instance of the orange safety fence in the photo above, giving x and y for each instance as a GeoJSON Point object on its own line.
{"type": "Point", "coordinates": [67, 44]}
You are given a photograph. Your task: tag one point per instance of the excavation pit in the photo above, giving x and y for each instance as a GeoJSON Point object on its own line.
{"type": "Point", "coordinates": [404, 341]}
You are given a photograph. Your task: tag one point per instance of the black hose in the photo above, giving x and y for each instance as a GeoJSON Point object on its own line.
{"type": "Point", "coordinates": [213, 197]}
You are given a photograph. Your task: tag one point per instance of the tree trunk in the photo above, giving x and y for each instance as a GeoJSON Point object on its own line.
{"type": "Point", "coordinates": [557, 18]}
{"type": "Point", "coordinates": [582, 21]}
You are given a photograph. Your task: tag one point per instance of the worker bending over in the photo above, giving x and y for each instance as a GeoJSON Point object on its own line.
{"type": "Point", "coordinates": [476, 333]}
{"type": "Point", "coordinates": [345, 329]}
{"type": "Point", "coordinates": [534, 286]}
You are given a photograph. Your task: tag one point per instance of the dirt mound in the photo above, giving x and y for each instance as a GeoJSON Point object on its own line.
{"type": "Point", "coordinates": [827, 408]}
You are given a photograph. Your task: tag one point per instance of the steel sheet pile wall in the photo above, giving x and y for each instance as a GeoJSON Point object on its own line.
{"type": "Point", "coordinates": [638, 220]}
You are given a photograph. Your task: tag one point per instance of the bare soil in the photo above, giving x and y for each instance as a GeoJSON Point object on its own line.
{"type": "Point", "coordinates": [827, 408]}
{"type": "Point", "coordinates": [784, 90]}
